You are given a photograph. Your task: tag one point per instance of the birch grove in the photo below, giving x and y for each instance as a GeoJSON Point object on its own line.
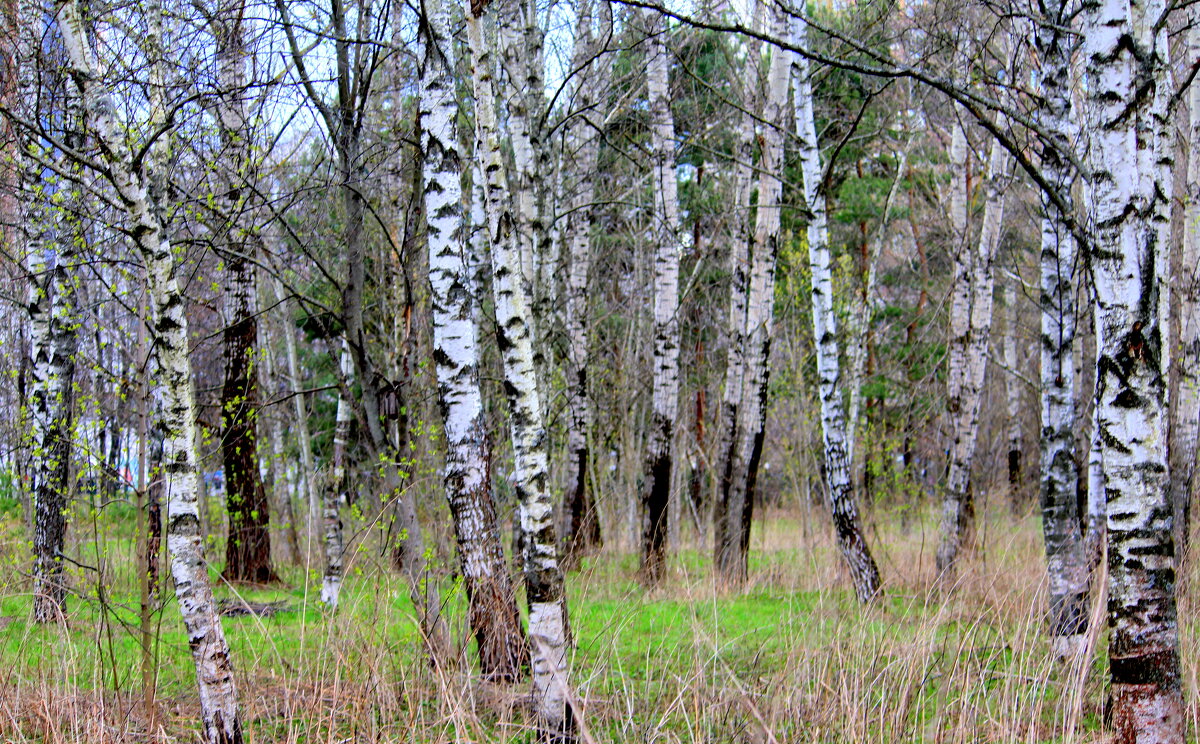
{"type": "Point", "coordinates": [613, 361]}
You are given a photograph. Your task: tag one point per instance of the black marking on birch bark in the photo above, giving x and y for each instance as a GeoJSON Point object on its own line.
{"type": "Point", "coordinates": [1156, 668]}
{"type": "Point", "coordinates": [185, 525]}
{"type": "Point", "coordinates": [1069, 613]}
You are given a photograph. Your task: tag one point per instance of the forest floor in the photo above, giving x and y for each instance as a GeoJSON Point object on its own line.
{"type": "Point", "coordinates": [790, 658]}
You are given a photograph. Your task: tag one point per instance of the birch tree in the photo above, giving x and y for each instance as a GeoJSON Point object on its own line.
{"type": "Point", "coordinates": [343, 118]}
{"type": "Point", "coordinates": [656, 489]}
{"type": "Point", "coordinates": [51, 237]}
{"type": "Point", "coordinates": [970, 334]}
{"type": "Point", "coordinates": [734, 508]}
{"type": "Point", "coordinates": [1012, 389]}
{"type": "Point", "coordinates": [1067, 563]}
{"type": "Point", "coordinates": [248, 549]}
{"type": "Point", "coordinates": [301, 410]}
{"type": "Point", "coordinates": [581, 523]}
{"type": "Point", "coordinates": [338, 491]}
{"type": "Point", "coordinates": [842, 503]}
{"type": "Point", "coordinates": [1128, 91]}
{"type": "Point", "coordinates": [544, 587]}
{"type": "Point", "coordinates": [210, 652]}
{"type": "Point", "coordinates": [494, 618]}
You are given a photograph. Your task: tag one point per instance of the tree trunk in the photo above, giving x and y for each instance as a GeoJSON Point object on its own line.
{"type": "Point", "coordinates": [521, 40]}
{"type": "Point", "coordinates": [210, 652]}
{"type": "Point", "coordinates": [970, 332]}
{"type": "Point", "coordinates": [281, 492]}
{"type": "Point", "coordinates": [1129, 87]}
{"type": "Point", "coordinates": [494, 617]}
{"type": "Point", "coordinates": [544, 589]}
{"type": "Point", "coordinates": [1185, 425]}
{"type": "Point", "coordinates": [1067, 564]}
{"type": "Point", "coordinates": [338, 491]}
{"type": "Point", "coordinates": [294, 380]}
{"type": "Point", "coordinates": [729, 557]}
{"type": "Point", "coordinates": [581, 523]}
{"type": "Point", "coordinates": [664, 218]}
{"type": "Point", "coordinates": [1012, 394]}
{"type": "Point", "coordinates": [248, 549]}
{"type": "Point", "coordinates": [842, 502]}
{"type": "Point", "coordinates": [53, 338]}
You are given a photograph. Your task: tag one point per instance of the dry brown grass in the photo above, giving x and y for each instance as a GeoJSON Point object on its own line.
{"type": "Point", "coordinates": [790, 658]}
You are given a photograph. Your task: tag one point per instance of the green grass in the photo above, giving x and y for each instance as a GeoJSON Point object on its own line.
{"type": "Point", "coordinates": [793, 654]}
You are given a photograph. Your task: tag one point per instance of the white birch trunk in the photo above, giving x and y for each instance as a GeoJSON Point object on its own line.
{"type": "Point", "coordinates": [581, 526]}
{"type": "Point", "coordinates": [294, 380]}
{"type": "Point", "coordinates": [521, 50]}
{"type": "Point", "coordinates": [1012, 391]}
{"type": "Point", "coordinates": [1129, 86]}
{"type": "Point", "coordinates": [969, 338]}
{"type": "Point", "coordinates": [494, 618]}
{"type": "Point", "coordinates": [664, 217]}
{"type": "Point", "coordinates": [1067, 565]}
{"type": "Point", "coordinates": [544, 587]}
{"type": "Point", "coordinates": [277, 469]}
{"type": "Point", "coordinates": [731, 522]}
{"type": "Point", "coordinates": [842, 503]}
{"type": "Point", "coordinates": [210, 652]}
{"type": "Point", "coordinates": [337, 493]}
{"type": "Point", "coordinates": [50, 370]}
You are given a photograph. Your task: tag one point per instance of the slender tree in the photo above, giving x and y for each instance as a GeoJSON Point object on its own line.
{"type": "Point", "coordinates": [1012, 389]}
{"type": "Point", "coordinates": [494, 618]}
{"type": "Point", "coordinates": [544, 587]}
{"type": "Point", "coordinates": [656, 489]}
{"type": "Point", "coordinates": [210, 652]}
{"type": "Point", "coordinates": [734, 508]}
{"type": "Point", "coordinates": [970, 335]}
{"type": "Point", "coordinates": [842, 503]}
{"type": "Point", "coordinates": [1185, 424]}
{"type": "Point", "coordinates": [581, 523]}
{"type": "Point", "coordinates": [1067, 563]}
{"type": "Point", "coordinates": [338, 491]}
